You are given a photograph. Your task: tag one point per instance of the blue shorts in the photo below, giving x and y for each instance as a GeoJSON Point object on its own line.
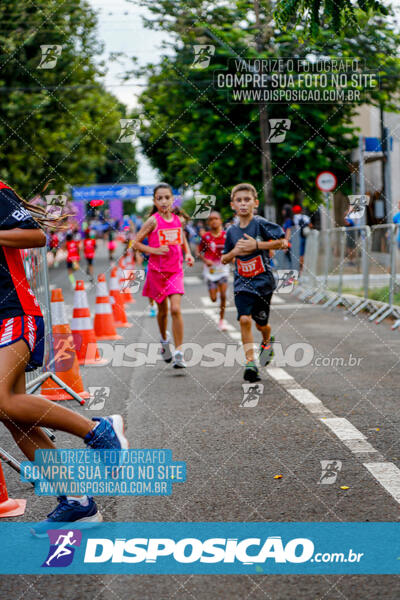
{"type": "Point", "coordinates": [27, 328]}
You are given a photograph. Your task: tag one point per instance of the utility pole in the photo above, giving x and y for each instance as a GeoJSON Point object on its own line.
{"type": "Point", "coordinates": [266, 169]}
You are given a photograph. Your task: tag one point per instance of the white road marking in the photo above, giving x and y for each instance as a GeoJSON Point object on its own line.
{"type": "Point", "coordinates": [343, 429]}
{"type": "Point", "coordinates": [235, 335]}
{"type": "Point", "coordinates": [388, 476]}
{"type": "Point", "coordinates": [279, 375]}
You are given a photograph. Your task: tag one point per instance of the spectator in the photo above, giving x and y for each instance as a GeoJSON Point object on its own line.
{"type": "Point", "coordinates": [287, 227]}
{"type": "Point", "coordinates": [303, 225]}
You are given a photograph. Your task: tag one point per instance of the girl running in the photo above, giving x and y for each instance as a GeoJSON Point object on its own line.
{"type": "Point", "coordinates": [22, 349]}
{"type": "Point", "coordinates": [215, 273]}
{"type": "Point", "coordinates": [164, 280]}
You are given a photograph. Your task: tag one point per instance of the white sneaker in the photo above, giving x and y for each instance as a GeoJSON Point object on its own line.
{"type": "Point", "coordinates": [166, 349]}
{"type": "Point", "coordinates": [222, 325]}
{"type": "Point", "coordinates": [179, 363]}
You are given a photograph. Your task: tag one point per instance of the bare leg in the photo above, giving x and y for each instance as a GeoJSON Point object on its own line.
{"type": "Point", "coordinates": [265, 332]}
{"type": "Point", "coordinates": [247, 336]}
{"type": "Point", "coordinates": [177, 320]}
{"type": "Point", "coordinates": [27, 437]}
{"type": "Point", "coordinates": [162, 318]}
{"type": "Point", "coordinates": [213, 294]}
{"type": "Point", "coordinates": [222, 299]}
{"type": "Point", "coordinates": [32, 410]}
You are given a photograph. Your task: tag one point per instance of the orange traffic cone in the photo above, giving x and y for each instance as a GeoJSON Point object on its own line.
{"type": "Point", "coordinates": [65, 360]}
{"type": "Point", "coordinates": [117, 302]}
{"type": "Point", "coordinates": [125, 271]}
{"type": "Point", "coordinates": [82, 329]}
{"type": "Point", "coordinates": [9, 507]}
{"type": "Point", "coordinates": [104, 325]}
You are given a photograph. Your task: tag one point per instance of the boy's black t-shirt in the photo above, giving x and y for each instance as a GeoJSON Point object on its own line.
{"type": "Point", "coordinates": [252, 272]}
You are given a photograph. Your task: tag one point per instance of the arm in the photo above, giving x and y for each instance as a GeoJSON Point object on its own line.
{"type": "Point", "coordinates": [22, 238]}
{"type": "Point", "coordinates": [229, 256]}
{"type": "Point", "coordinates": [248, 245]}
{"type": "Point", "coordinates": [147, 228]}
{"type": "Point", "coordinates": [186, 249]}
{"type": "Point", "coordinates": [200, 250]}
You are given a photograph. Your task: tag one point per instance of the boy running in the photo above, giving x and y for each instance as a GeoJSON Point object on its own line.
{"type": "Point", "coordinates": [247, 242]}
{"type": "Point", "coordinates": [215, 273]}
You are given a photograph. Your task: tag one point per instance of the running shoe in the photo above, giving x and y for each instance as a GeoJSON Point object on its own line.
{"type": "Point", "coordinates": [108, 434]}
{"type": "Point", "coordinates": [153, 312]}
{"type": "Point", "coordinates": [166, 349]}
{"type": "Point", "coordinates": [222, 325]}
{"type": "Point", "coordinates": [179, 363]}
{"type": "Point", "coordinates": [266, 352]}
{"type": "Point", "coordinates": [68, 511]}
{"type": "Point", "coordinates": [251, 372]}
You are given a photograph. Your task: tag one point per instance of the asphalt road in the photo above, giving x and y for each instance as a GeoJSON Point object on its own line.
{"type": "Point", "coordinates": [342, 406]}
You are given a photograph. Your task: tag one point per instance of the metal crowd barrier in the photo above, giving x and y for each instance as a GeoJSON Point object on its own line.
{"type": "Point", "coordinates": [35, 265]}
{"type": "Point", "coordinates": [352, 257]}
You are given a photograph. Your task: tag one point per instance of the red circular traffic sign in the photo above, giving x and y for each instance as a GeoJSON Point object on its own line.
{"type": "Point", "coordinates": [326, 181]}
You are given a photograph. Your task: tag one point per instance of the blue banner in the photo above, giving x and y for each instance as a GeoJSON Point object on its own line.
{"type": "Point", "coordinates": [202, 548]}
{"type": "Point", "coordinates": [111, 191]}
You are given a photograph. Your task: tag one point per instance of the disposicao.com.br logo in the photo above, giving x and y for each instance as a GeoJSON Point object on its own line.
{"type": "Point", "coordinates": [188, 550]}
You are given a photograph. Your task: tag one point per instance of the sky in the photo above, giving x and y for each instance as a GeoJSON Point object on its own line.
{"type": "Point", "coordinates": [121, 29]}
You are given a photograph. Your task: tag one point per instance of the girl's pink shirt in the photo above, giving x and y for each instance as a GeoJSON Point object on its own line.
{"type": "Point", "coordinates": [167, 233]}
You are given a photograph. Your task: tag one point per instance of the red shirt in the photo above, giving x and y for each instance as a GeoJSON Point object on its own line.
{"type": "Point", "coordinates": [212, 246]}
{"type": "Point", "coordinates": [73, 251]}
{"type": "Point", "coordinates": [54, 241]}
{"type": "Point", "coordinates": [89, 247]}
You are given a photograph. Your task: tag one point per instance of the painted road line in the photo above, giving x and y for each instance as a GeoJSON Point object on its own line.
{"type": "Point", "coordinates": [235, 335]}
{"type": "Point", "coordinates": [349, 435]}
{"type": "Point", "coordinates": [280, 375]}
{"type": "Point", "coordinates": [388, 476]}
{"type": "Point", "coordinates": [311, 402]}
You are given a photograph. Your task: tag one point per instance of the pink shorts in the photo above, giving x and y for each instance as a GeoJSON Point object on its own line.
{"type": "Point", "coordinates": [160, 285]}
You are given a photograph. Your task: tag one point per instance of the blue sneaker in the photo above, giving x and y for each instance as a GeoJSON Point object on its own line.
{"type": "Point", "coordinates": [68, 511]}
{"type": "Point", "coordinates": [108, 435]}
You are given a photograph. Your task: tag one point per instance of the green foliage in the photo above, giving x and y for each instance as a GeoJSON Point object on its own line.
{"type": "Point", "coordinates": [193, 135]}
{"type": "Point", "coordinates": [340, 14]}
{"type": "Point", "coordinates": [57, 123]}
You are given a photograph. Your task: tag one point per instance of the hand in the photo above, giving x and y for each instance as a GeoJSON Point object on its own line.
{"type": "Point", "coordinates": [160, 250]}
{"type": "Point", "coordinates": [208, 262]}
{"type": "Point", "coordinates": [189, 259]}
{"type": "Point", "coordinates": [285, 244]}
{"type": "Point", "coordinates": [246, 245]}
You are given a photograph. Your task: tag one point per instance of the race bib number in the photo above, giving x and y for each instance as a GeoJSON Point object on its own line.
{"type": "Point", "coordinates": [217, 269]}
{"type": "Point", "coordinates": [170, 237]}
{"type": "Point", "coordinates": [250, 268]}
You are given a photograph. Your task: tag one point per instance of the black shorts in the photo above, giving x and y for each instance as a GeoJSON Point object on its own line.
{"type": "Point", "coordinates": [89, 261]}
{"type": "Point", "coordinates": [255, 305]}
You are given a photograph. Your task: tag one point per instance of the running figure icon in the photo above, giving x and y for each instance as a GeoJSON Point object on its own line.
{"type": "Point", "coordinates": [62, 542]}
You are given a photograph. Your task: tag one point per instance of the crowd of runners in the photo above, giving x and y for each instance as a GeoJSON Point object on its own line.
{"type": "Point", "coordinates": [161, 246]}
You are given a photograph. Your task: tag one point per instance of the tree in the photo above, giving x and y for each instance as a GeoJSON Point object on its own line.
{"type": "Point", "coordinates": [57, 121]}
{"type": "Point", "coordinates": [340, 14]}
{"type": "Point", "coordinates": [194, 136]}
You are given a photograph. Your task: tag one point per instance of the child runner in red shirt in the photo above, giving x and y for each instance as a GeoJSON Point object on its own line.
{"type": "Point", "coordinates": [89, 249]}
{"type": "Point", "coordinates": [215, 273]}
{"type": "Point", "coordinates": [73, 257]}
